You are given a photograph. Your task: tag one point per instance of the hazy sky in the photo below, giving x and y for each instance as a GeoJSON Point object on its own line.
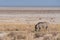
{"type": "Point", "coordinates": [30, 3]}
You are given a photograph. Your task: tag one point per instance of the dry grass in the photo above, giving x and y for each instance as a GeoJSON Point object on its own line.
{"type": "Point", "coordinates": [25, 27]}
{"type": "Point", "coordinates": [18, 35]}
{"type": "Point", "coordinates": [18, 31]}
{"type": "Point", "coordinates": [16, 27]}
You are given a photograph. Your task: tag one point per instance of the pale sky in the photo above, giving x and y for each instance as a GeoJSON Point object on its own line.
{"type": "Point", "coordinates": [30, 3]}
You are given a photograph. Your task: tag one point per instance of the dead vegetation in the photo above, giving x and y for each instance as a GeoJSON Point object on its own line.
{"type": "Point", "coordinates": [17, 35]}
{"type": "Point", "coordinates": [27, 32]}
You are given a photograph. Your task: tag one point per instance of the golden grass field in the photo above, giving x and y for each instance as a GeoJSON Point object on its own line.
{"type": "Point", "coordinates": [26, 31]}
{"type": "Point", "coordinates": [25, 27]}
{"type": "Point", "coordinates": [22, 26]}
{"type": "Point", "coordinates": [18, 31]}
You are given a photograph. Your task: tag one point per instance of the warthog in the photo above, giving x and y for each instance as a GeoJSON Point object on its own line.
{"type": "Point", "coordinates": [41, 25]}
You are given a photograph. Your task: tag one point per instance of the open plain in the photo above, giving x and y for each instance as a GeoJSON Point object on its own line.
{"type": "Point", "coordinates": [19, 23]}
